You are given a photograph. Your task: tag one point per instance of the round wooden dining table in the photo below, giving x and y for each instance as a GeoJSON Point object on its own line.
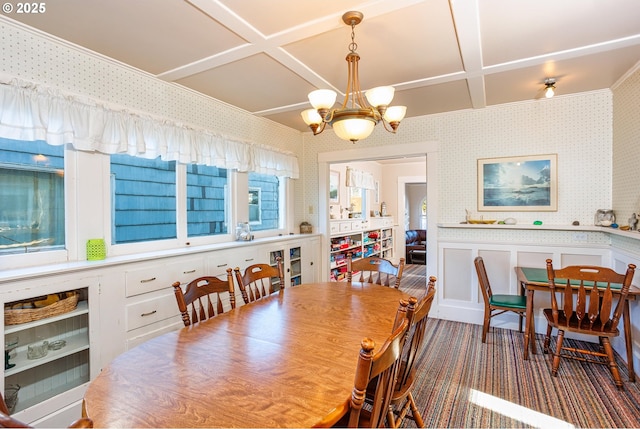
{"type": "Point", "coordinates": [287, 360]}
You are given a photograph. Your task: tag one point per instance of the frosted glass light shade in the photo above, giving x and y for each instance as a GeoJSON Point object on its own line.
{"type": "Point", "coordinates": [353, 129]}
{"type": "Point", "coordinates": [322, 98]}
{"type": "Point", "coordinates": [380, 96]}
{"type": "Point", "coordinates": [549, 92]}
{"type": "Point", "coordinates": [311, 116]}
{"type": "Point", "coordinates": [395, 113]}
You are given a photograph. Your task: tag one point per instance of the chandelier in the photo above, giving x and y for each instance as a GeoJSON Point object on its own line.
{"type": "Point", "coordinates": [357, 117]}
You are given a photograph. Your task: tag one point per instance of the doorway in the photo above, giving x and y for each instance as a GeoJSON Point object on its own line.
{"type": "Point", "coordinates": [415, 222]}
{"type": "Point", "coordinates": [393, 154]}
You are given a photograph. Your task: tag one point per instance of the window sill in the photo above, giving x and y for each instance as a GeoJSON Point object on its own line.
{"type": "Point", "coordinates": [587, 228]}
{"type": "Point", "coordinates": [78, 266]}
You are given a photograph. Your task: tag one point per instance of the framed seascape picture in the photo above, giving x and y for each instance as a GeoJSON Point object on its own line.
{"type": "Point", "coordinates": [523, 183]}
{"type": "Point", "coordinates": [334, 190]}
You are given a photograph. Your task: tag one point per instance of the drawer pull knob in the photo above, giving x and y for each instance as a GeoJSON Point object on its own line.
{"type": "Point", "coordinates": [147, 280]}
{"type": "Point", "coordinates": [249, 260]}
{"type": "Point", "coordinates": [189, 272]}
{"type": "Point", "coordinates": [222, 265]}
{"type": "Point", "coordinates": [149, 313]}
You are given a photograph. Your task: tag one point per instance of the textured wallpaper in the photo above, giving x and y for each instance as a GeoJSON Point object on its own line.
{"type": "Point", "coordinates": [579, 128]}
{"type": "Point", "coordinates": [576, 128]}
{"type": "Point", "coordinates": [626, 147]}
{"type": "Point", "coordinates": [39, 59]}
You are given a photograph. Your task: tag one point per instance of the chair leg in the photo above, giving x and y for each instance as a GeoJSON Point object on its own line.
{"type": "Point", "coordinates": [520, 323]}
{"type": "Point", "coordinates": [613, 366]}
{"type": "Point", "coordinates": [556, 355]}
{"type": "Point", "coordinates": [547, 340]}
{"type": "Point", "coordinates": [485, 326]}
{"type": "Point", "coordinates": [414, 411]}
{"type": "Point", "coordinates": [402, 414]}
{"type": "Point", "coordinates": [391, 420]}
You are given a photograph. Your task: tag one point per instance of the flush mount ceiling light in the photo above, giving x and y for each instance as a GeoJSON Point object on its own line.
{"type": "Point", "coordinates": [355, 119]}
{"type": "Point", "coordinates": [550, 88]}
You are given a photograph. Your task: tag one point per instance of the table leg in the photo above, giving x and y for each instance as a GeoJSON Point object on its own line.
{"type": "Point", "coordinates": [529, 331]}
{"type": "Point", "coordinates": [628, 340]}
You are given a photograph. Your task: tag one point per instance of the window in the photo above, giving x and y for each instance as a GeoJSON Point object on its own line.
{"type": "Point", "coordinates": [32, 196]}
{"type": "Point", "coordinates": [423, 214]}
{"type": "Point", "coordinates": [264, 201]}
{"type": "Point", "coordinates": [143, 199]}
{"type": "Point", "coordinates": [357, 202]}
{"type": "Point", "coordinates": [206, 200]}
{"type": "Point", "coordinates": [255, 206]}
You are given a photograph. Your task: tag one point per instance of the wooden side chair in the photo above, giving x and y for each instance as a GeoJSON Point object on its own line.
{"type": "Point", "coordinates": [201, 294]}
{"type": "Point", "coordinates": [402, 399]}
{"type": "Point", "coordinates": [594, 312]}
{"type": "Point", "coordinates": [498, 302]}
{"type": "Point", "coordinates": [376, 375]}
{"type": "Point", "coordinates": [6, 421]}
{"type": "Point", "coordinates": [375, 270]}
{"type": "Point", "coordinates": [259, 280]}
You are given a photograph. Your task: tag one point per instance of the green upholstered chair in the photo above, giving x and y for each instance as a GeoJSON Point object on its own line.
{"type": "Point", "coordinates": [498, 303]}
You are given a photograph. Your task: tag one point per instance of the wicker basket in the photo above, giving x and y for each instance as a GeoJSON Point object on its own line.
{"type": "Point", "coordinates": [22, 315]}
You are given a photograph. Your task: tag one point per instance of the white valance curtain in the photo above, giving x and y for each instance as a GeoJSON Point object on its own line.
{"type": "Point", "coordinates": [359, 179]}
{"type": "Point", "coordinates": [31, 112]}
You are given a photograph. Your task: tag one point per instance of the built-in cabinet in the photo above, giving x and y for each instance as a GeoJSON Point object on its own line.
{"type": "Point", "coordinates": [299, 261]}
{"type": "Point", "coordinates": [361, 239]}
{"type": "Point", "coordinates": [51, 356]}
{"type": "Point", "coordinates": [122, 303]}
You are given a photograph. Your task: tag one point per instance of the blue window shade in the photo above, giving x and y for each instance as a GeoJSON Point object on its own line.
{"type": "Point", "coordinates": [144, 199]}
{"type": "Point", "coordinates": [268, 204]}
{"type": "Point", "coordinates": [206, 200]}
{"type": "Point", "coordinates": [31, 196]}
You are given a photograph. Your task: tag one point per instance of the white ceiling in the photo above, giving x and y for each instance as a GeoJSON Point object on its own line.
{"type": "Point", "coordinates": [264, 56]}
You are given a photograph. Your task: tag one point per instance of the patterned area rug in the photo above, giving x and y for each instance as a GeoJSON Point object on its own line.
{"type": "Point", "coordinates": [464, 383]}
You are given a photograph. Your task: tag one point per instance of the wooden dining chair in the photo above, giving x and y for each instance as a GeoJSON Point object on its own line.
{"type": "Point", "coordinates": [375, 270]}
{"type": "Point", "coordinates": [376, 376]}
{"type": "Point", "coordinates": [260, 280]}
{"type": "Point", "coordinates": [200, 295]}
{"type": "Point", "coordinates": [6, 421]}
{"type": "Point", "coordinates": [594, 312]}
{"type": "Point", "coordinates": [402, 399]}
{"type": "Point", "coordinates": [500, 303]}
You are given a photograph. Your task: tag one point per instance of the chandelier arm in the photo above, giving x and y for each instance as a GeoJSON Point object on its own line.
{"type": "Point", "coordinates": [387, 127]}
{"type": "Point", "coordinates": [358, 92]}
{"type": "Point", "coordinates": [350, 83]}
{"type": "Point", "coordinates": [390, 126]}
{"type": "Point", "coordinates": [328, 117]}
{"type": "Point", "coordinates": [320, 128]}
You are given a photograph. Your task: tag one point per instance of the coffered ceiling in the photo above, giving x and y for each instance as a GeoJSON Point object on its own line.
{"type": "Point", "coordinates": [264, 56]}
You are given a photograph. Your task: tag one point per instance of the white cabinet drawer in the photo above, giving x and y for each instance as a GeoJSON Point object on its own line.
{"type": "Point", "coordinates": [334, 228]}
{"type": "Point", "coordinates": [159, 276]}
{"type": "Point", "coordinates": [140, 335]}
{"type": "Point", "coordinates": [346, 226]}
{"type": "Point", "coordinates": [151, 310]}
{"type": "Point", "coordinates": [231, 258]}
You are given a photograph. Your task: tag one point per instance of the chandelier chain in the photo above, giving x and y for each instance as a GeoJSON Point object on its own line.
{"type": "Point", "coordinates": [353, 45]}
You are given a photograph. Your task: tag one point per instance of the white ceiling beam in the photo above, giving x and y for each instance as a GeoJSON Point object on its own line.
{"type": "Point", "coordinates": [466, 19]}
